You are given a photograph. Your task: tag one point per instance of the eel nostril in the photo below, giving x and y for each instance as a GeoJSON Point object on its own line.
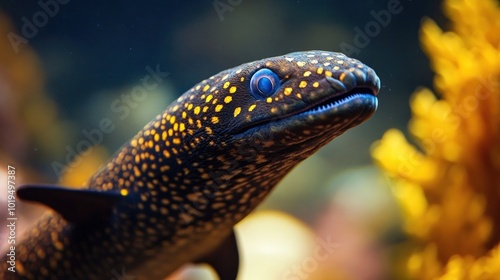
{"type": "Point", "coordinates": [348, 79]}
{"type": "Point", "coordinates": [336, 84]}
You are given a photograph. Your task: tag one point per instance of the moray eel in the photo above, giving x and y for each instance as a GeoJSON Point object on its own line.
{"type": "Point", "coordinates": [172, 194]}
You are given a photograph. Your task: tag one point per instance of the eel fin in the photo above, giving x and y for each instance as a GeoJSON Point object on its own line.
{"type": "Point", "coordinates": [224, 258]}
{"type": "Point", "coordinates": [78, 206]}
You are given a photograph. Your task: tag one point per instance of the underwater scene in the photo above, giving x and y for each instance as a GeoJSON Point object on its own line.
{"type": "Point", "coordinates": [236, 139]}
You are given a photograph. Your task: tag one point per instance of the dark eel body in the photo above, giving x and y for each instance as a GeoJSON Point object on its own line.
{"type": "Point", "coordinates": [172, 194]}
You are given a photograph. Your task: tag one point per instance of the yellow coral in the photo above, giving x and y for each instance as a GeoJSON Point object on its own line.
{"type": "Point", "coordinates": [449, 185]}
{"type": "Point", "coordinates": [78, 172]}
{"type": "Point", "coordinates": [25, 111]}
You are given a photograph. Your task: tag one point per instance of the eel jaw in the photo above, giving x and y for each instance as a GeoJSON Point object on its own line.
{"type": "Point", "coordinates": [335, 111]}
{"type": "Point", "coordinates": [338, 100]}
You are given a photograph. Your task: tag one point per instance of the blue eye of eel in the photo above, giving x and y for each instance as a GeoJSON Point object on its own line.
{"type": "Point", "coordinates": [172, 194]}
{"type": "Point", "coordinates": [264, 83]}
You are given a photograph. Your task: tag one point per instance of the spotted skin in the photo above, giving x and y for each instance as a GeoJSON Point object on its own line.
{"type": "Point", "coordinates": [201, 166]}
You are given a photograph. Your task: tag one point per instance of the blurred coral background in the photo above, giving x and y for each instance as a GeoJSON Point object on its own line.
{"type": "Point", "coordinates": [448, 182]}
{"type": "Point", "coordinates": [430, 209]}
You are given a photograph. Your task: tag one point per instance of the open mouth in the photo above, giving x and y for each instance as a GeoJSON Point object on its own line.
{"type": "Point", "coordinates": [322, 106]}
{"type": "Point", "coordinates": [337, 100]}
